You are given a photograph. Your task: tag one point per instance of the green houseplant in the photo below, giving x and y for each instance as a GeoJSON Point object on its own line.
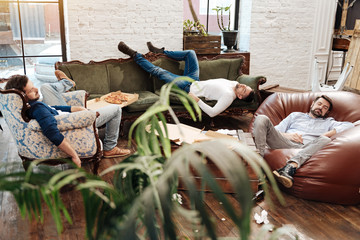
{"type": "Point", "coordinates": [229, 36]}
{"type": "Point", "coordinates": [139, 204]}
{"type": "Point", "coordinates": [193, 28]}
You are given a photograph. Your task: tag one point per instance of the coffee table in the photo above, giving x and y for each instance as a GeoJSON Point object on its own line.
{"type": "Point", "coordinates": [97, 103]}
{"type": "Point", "coordinates": [196, 135]}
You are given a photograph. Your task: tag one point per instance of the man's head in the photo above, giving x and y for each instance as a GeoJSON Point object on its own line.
{"type": "Point", "coordinates": [22, 83]}
{"type": "Point", "coordinates": [244, 92]}
{"type": "Point", "coordinates": [321, 106]}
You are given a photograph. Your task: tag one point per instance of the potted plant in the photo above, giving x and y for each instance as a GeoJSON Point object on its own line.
{"type": "Point", "coordinates": [201, 43]}
{"type": "Point", "coordinates": [193, 28]}
{"type": "Point", "coordinates": [229, 36]}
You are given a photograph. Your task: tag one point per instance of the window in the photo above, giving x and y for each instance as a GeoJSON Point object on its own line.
{"type": "Point", "coordinates": [207, 16]}
{"type": "Point", "coordinates": [32, 38]}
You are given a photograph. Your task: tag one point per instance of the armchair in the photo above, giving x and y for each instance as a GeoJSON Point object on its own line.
{"type": "Point", "coordinates": [79, 128]}
{"type": "Point", "coordinates": [332, 174]}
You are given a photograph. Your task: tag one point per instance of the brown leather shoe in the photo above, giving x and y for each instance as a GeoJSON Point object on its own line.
{"type": "Point", "coordinates": [116, 152]}
{"type": "Point", "coordinates": [126, 49]}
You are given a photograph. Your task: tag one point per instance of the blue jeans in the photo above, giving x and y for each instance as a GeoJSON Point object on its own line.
{"type": "Point", "coordinates": [109, 115]}
{"type": "Point", "coordinates": [191, 67]}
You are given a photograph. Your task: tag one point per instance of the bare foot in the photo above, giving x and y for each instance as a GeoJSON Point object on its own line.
{"type": "Point", "coordinates": [61, 75]}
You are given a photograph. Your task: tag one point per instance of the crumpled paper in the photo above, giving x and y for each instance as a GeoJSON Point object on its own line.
{"type": "Point", "coordinates": [261, 218]}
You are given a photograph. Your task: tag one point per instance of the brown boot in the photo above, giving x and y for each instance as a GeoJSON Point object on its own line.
{"type": "Point", "coordinates": [61, 75]}
{"type": "Point", "coordinates": [116, 152]}
{"type": "Point", "coordinates": [126, 49]}
{"type": "Point", "coordinates": [154, 49]}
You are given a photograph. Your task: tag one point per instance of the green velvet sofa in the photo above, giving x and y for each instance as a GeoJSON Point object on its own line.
{"type": "Point", "coordinates": [99, 78]}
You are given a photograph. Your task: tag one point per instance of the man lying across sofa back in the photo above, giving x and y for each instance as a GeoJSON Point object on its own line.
{"type": "Point", "coordinates": [222, 90]}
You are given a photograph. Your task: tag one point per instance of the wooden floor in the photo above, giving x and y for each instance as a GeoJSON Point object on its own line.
{"type": "Point", "coordinates": [307, 219]}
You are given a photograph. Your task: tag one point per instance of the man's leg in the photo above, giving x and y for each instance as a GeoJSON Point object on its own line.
{"type": "Point", "coordinates": [285, 174]}
{"type": "Point", "coordinates": [111, 117]}
{"type": "Point", "coordinates": [156, 71]}
{"type": "Point", "coordinates": [189, 56]}
{"type": "Point", "coordinates": [191, 63]}
{"type": "Point", "coordinates": [265, 134]}
{"type": "Point", "coordinates": [308, 150]}
{"type": "Point", "coordinates": [52, 92]}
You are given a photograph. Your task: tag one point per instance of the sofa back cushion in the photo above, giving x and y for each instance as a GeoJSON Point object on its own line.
{"type": "Point", "coordinates": [92, 78]}
{"type": "Point", "coordinates": [220, 68]}
{"type": "Point", "coordinates": [128, 77]}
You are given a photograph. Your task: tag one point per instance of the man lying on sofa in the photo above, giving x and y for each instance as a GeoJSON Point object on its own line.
{"type": "Point", "coordinates": [44, 114]}
{"type": "Point", "coordinates": [222, 90]}
{"type": "Point", "coordinates": [307, 131]}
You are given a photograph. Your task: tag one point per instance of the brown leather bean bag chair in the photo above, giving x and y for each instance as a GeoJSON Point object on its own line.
{"type": "Point", "coordinates": [332, 174]}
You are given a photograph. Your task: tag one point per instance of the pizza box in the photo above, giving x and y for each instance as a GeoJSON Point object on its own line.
{"type": "Point", "coordinates": [97, 103]}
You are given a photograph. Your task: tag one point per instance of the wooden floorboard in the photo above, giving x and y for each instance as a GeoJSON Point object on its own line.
{"type": "Point", "coordinates": [307, 219]}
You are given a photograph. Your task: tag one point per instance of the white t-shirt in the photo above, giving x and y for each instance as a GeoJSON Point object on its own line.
{"type": "Point", "coordinates": [220, 89]}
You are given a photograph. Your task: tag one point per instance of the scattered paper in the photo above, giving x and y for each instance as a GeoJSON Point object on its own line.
{"type": "Point", "coordinates": [261, 218]}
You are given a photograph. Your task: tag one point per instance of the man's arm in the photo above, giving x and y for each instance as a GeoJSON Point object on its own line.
{"type": "Point", "coordinates": [222, 104]}
{"type": "Point", "coordinates": [339, 126]}
{"type": "Point", "coordinates": [283, 126]}
{"type": "Point", "coordinates": [70, 108]}
{"type": "Point", "coordinates": [77, 109]}
{"type": "Point", "coordinates": [49, 128]}
{"type": "Point", "coordinates": [69, 150]}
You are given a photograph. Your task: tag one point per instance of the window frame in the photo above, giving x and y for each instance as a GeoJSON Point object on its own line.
{"type": "Point", "coordinates": [24, 56]}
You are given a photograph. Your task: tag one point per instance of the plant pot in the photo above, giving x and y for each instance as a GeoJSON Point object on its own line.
{"type": "Point", "coordinates": [230, 39]}
{"type": "Point", "coordinates": [191, 32]}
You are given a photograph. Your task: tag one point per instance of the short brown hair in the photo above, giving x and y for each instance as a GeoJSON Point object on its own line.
{"type": "Point", "coordinates": [250, 97]}
{"type": "Point", "coordinates": [327, 99]}
{"type": "Point", "coordinates": [17, 81]}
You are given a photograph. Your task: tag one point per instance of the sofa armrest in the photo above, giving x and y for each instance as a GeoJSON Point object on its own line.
{"type": "Point", "coordinates": [69, 121]}
{"type": "Point", "coordinates": [75, 98]}
{"type": "Point", "coordinates": [252, 81]}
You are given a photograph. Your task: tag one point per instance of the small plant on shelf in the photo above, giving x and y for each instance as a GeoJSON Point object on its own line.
{"type": "Point", "coordinates": [193, 28]}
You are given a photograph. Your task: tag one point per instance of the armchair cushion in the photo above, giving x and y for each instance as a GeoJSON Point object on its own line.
{"type": "Point", "coordinates": [332, 174]}
{"type": "Point", "coordinates": [75, 98]}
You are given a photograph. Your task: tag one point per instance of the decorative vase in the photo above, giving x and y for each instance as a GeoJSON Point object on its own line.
{"type": "Point", "coordinates": [230, 39]}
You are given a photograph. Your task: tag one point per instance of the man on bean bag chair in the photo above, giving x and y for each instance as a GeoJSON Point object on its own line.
{"type": "Point", "coordinates": [301, 134]}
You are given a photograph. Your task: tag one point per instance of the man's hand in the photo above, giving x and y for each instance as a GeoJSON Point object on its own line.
{"type": "Point", "coordinates": [193, 97]}
{"type": "Point", "coordinates": [330, 133]}
{"type": "Point", "coordinates": [68, 149]}
{"type": "Point", "coordinates": [77, 109]}
{"type": "Point", "coordinates": [295, 137]}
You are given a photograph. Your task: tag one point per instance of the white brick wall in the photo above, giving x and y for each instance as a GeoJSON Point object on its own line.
{"type": "Point", "coordinates": [281, 41]}
{"type": "Point", "coordinates": [280, 33]}
{"type": "Point", "coordinates": [95, 27]}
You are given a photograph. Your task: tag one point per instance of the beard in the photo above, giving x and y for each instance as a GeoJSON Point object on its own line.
{"type": "Point", "coordinates": [35, 98]}
{"type": "Point", "coordinates": [316, 112]}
